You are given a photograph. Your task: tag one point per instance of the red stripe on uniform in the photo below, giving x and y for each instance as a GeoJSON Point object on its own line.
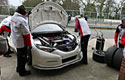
{"type": "Point", "coordinates": [81, 31]}
{"type": "Point", "coordinates": [13, 21]}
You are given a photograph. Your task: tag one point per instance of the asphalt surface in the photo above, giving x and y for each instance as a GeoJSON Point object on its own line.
{"type": "Point", "coordinates": [92, 71]}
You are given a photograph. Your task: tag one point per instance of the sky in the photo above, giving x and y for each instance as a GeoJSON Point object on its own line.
{"type": "Point", "coordinates": [19, 2]}
{"type": "Point", "coordinates": [15, 2]}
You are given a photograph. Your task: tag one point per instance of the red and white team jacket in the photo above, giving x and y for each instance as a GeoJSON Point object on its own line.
{"type": "Point", "coordinates": [120, 35]}
{"type": "Point", "coordinates": [20, 31]}
{"type": "Point", "coordinates": [4, 32]}
{"type": "Point", "coordinates": [82, 26]}
{"type": "Point", "coordinates": [5, 26]}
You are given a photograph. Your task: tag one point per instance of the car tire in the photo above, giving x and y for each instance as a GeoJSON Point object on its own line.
{"type": "Point", "coordinates": [109, 55]}
{"type": "Point", "coordinates": [118, 58]}
{"type": "Point", "coordinates": [98, 55]}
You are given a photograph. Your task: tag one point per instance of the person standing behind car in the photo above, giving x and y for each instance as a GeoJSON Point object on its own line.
{"type": "Point", "coordinates": [21, 38]}
{"type": "Point", "coordinates": [69, 18]}
{"type": "Point", "coordinates": [120, 43]}
{"type": "Point", "coordinates": [81, 25]}
{"type": "Point", "coordinates": [86, 17]}
{"type": "Point", "coordinates": [5, 32]}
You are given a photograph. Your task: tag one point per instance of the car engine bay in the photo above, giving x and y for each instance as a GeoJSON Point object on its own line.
{"type": "Point", "coordinates": [62, 41]}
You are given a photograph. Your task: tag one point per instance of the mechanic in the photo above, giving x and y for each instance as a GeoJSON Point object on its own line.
{"type": "Point", "coordinates": [5, 32]}
{"type": "Point", "coordinates": [120, 42]}
{"type": "Point", "coordinates": [81, 26]}
{"type": "Point", "coordinates": [86, 17]}
{"type": "Point", "coordinates": [120, 34]}
{"type": "Point", "coordinates": [21, 38]}
{"type": "Point", "coordinates": [69, 18]}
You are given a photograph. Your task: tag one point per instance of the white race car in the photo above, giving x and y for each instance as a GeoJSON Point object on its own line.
{"type": "Point", "coordinates": [53, 47]}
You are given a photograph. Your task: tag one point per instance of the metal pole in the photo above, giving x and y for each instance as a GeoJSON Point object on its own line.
{"type": "Point", "coordinates": [121, 13]}
{"type": "Point", "coordinates": [8, 9]}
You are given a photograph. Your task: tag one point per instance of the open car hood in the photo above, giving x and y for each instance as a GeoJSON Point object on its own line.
{"type": "Point", "coordinates": [48, 12]}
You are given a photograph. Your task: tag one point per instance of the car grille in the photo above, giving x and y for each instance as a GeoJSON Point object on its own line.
{"type": "Point", "coordinates": [69, 59]}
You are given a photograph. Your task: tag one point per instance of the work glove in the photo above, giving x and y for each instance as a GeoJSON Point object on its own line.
{"type": "Point", "coordinates": [29, 12]}
{"type": "Point", "coordinates": [115, 45]}
{"type": "Point", "coordinates": [122, 41]}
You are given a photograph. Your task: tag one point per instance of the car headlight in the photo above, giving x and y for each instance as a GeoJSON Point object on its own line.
{"type": "Point", "coordinates": [43, 46]}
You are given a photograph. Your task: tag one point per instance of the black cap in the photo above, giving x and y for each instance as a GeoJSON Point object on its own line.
{"type": "Point", "coordinates": [21, 9]}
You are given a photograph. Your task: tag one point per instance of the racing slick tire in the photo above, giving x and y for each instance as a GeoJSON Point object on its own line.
{"type": "Point", "coordinates": [118, 58]}
{"type": "Point", "coordinates": [98, 55]}
{"type": "Point", "coordinates": [109, 55]}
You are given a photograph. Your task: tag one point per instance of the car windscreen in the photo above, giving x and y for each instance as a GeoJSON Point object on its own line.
{"type": "Point", "coordinates": [48, 28]}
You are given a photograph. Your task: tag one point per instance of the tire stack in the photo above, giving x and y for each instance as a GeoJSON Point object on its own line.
{"type": "Point", "coordinates": [113, 57]}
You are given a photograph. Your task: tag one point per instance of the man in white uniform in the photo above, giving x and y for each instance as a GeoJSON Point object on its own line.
{"type": "Point", "coordinates": [21, 38]}
{"type": "Point", "coordinates": [81, 25]}
{"type": "Point", "coordinates": [4, 33]}
{"type": "Point", "coordinates": [120, 32]}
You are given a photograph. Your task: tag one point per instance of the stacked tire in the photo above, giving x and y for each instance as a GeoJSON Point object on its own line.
{"type": "Point", "coordinates": [113, 57]}
{"type": "Point", "coordinates": [99, 54]}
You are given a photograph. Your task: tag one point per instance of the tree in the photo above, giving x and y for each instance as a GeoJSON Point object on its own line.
{"type": "Point", "coordinates": [32, 3]}
{"type": "Point", "coordinates": [3, 2]}
{"type": "Point", "coordinates": [54, 0]}
{"type": "Point", "coordinates": [70, 4]}
{"type": "Point", "coordinates": [88, 5]}
{"type": "Point", "coordinates": [12, 9]}
{"type": "Point", "coordinates": [67, 4]}
{"type": "Point", "coordinates": [4, 7]}
{"type": "Point", "coordinates": [100, 6]}
{"type": "Point", "coordinates": [123, 7]}
{"type": "Point", "coordinates": [96, 7]}
{"type": "Point", "coordinates": [29, 4]}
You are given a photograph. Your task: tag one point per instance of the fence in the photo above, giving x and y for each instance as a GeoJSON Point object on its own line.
{"type": "Point", "coordinates": [93, 19]}
{"type": "Point", "coordinates": [7, 10]}
{"type": "Point", "coordinates": [93, 15]}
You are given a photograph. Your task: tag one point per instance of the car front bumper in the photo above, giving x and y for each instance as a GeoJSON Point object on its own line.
{"type": "Point", "coordinates": [55, 60]}
{"type": "Point", "coordinates": [59, 66]}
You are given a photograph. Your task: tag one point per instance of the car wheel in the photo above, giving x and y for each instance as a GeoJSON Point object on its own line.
{"type": "Point", "coordinates": [118, 58]}
{"type": "Point", "coordinates": [109, 55]}
{"type": "Point", "coordinates": [98, 55]}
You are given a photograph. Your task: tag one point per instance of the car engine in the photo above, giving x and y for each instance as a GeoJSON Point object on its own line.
{"type": "Point", "coordinates": [64, 42]}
